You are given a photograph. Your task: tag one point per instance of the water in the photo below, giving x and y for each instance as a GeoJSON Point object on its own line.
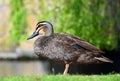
{"type": "Point", "coordinates": [18, 68]}
{"type": "Point", "coordinates": [21, 68]}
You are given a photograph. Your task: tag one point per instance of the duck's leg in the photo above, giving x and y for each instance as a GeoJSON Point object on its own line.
{"type": "Point", "coordinates": [66, 69]}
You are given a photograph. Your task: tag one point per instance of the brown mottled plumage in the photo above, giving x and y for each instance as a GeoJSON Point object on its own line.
{"type": "Point", "coordinates": [64, 48]}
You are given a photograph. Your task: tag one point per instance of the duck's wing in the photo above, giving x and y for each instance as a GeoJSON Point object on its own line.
{"type": "Point", "coordinates": [72, 47]}
{"type": "Point", "coordinates": [79, 43]}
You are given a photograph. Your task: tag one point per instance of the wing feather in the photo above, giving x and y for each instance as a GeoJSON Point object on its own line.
{"type": "Point", "coordinates": [79, 43]}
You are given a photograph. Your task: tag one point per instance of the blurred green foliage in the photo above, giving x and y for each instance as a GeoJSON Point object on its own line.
{"type": "Point", "coordinates": [92, 20]}
{"type": "Point", "coordinates": [18, 21]}
{"type": "Point", "coordinates": [88, 19]}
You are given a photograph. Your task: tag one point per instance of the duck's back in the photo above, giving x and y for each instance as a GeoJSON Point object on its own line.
{"type": "Point", "coordinates": [65, 48]}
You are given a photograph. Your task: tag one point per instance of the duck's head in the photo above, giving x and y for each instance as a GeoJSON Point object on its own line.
{"type": "Point", "coordinates": [43, 28]}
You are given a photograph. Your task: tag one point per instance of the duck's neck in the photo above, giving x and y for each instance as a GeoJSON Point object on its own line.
{"type": "Point", "coordinates": [49, 30]}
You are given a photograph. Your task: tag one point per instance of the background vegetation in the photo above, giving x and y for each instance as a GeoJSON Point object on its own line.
{"type": "Point", "coordinates": [18, 20]}
{"type": "Point", "coordinates": [96, 21]}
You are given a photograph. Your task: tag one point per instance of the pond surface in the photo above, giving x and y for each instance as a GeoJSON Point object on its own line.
{"type": "Point", "coordinates": [18, 68]}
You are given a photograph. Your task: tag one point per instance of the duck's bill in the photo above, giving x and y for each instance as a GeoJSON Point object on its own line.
{"type": "Point", "coordinates": [33, 35]}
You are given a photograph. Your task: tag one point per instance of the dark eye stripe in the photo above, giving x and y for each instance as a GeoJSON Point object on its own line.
{"type": "Point", "coordinates": [38, 25]}
{"type": "Point", "coordinates": [41, 22]}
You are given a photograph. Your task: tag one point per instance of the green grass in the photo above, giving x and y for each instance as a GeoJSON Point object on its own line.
{"type": "Point", "coordinates": [110, 77]}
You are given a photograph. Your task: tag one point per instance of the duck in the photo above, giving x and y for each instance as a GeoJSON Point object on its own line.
{"type": "Point", "coordinates": [64, 48]}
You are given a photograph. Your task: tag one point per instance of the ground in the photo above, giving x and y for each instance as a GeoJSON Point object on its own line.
{"type": "Point", "coordinates": [109, 77]}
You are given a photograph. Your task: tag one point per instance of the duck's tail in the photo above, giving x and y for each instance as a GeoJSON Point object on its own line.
{"type": "Point", "coordinates": [104, 59]}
